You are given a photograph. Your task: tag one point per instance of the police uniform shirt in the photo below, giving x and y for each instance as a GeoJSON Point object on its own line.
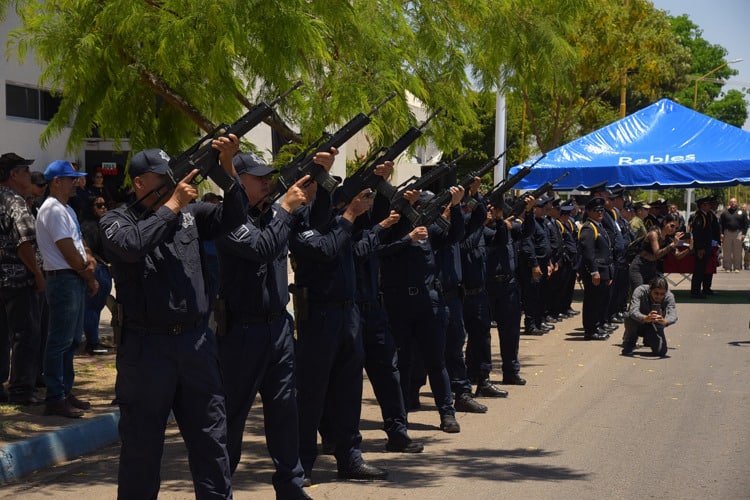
{"type": "Point", "coordinates": [701, 230]}
{"type": "Point", "coordinates": [536, 247]}
{"type": "Point", "coordinates": [253, 262]}
{"type": "Point", "coordinates": [501, 246]}
{"type": "Point", "coordinates": [596, 250]}
{"type": "Point", "coordinates": [156, 259]}
{"type": "Point", "coordinates": [473, 252]}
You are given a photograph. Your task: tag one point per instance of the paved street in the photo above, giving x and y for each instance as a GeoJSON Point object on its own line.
{"type": "Point", "coordinates": [590, 424]}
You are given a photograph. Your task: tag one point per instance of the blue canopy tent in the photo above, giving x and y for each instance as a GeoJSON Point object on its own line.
{"type": "Point", "coordinates": [663, 145]}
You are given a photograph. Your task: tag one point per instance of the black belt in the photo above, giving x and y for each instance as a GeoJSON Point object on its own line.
{"type": "Point", "coordinates": [173, 329]}
{"type": "Point", "coordinates": [254, 319]}
{"type": "Point", "coordinates": [60, 272]}
{"type": "Point", "coordinates": [503, 277]}
{"type": "Point", "coordinates": [473, 291]}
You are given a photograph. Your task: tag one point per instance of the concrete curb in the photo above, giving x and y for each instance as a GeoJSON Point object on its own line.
{"type": "Point", "coordinates": [22, 458]}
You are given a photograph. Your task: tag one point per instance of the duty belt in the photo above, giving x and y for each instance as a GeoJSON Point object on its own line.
{"type": "Point", "coordinates": [254, 319]}
{"type": "Point", "coordinates": [502, 278]}
{"type": "Point", "coordinates": [473, 291]}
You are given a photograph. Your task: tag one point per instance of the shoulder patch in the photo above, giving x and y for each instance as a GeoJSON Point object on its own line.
{"type": "Point", "coordinates": [240, 232]}
{"type": "Point", "coordinates": [307, 234]}
{"type": "Point", "coordinates": [112, 229]}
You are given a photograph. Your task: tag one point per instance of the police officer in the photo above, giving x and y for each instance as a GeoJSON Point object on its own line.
{"type": "Point", "coordinates": [502, 282]}
{"type": "Point", "coordinates": [476, 302]}
{"type": "Point", "coordinates": [618, 303]}
{"type": "Point", "coordinates": [596, 270]}
{"type": "Point", "coordinates": [330, 352]}
{"type": "Point", "coordinates": [700, 228]}
{"type": "Point", "coordinates": [568, 264]}
{"type": "Point", "coordinates": [534, 268]}
{"type": "Point", "coordinates": [167, 359]}
{"type": "Point", "coordinates": [619, 273]}
{"type": "Point", "coordinates": [256, 352]}
{"type": "Point", "coordinates": [551, 293]}
{"type": "Point", "coordinates": [412, 295]}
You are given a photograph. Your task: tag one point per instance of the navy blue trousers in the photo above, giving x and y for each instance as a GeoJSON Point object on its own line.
{"type": "Point", "coordinates": [505, 305]}
{"type": "Point", "coordinates": [476, 310]}
{"type": "Point", "coordinates": [159, 373]}
{"type": "Point", "coordinates": [260, 357]}
{"type": "Point", "coordinates": [455, 340]}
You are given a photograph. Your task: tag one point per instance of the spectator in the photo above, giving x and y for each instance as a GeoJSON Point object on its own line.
{"type": "Point", "coordinates": [652, 308]}
{"type": "Point", "coordinates": [20, 278]}
{"type": "Point", "coordinates": [69, 272]}
{"type": "Point", "coordinates": [80, 200]}
{"type": "Point", "coordinates": [95, 303]}
{"type": "Point", "coordinates": [734, 224]}
{"type": "Point", "coordinates": [34, 201]}
{"type": "Point", "coordinates": [98, 189]}
{"type": "Point", "coordinates": [659, 241]}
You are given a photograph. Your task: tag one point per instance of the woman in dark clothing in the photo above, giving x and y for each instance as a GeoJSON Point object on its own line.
{"type": "Point", "coordinates": [659, 241]}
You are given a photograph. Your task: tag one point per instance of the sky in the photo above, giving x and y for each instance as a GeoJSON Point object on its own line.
{"type": "Point", "coordinates": [725, 23]}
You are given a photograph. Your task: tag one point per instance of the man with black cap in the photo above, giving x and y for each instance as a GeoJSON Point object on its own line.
{"type": "Point", "coordinates": [256, 349]}
{"type": "Point", "coordinates": [69, 273]}
{"type": "Point", "coordinates": [167, 357]}
{"type": "Point", "coordinates": [20, 280]}
{"type": "Point", "coordinates": [563, 297]}
{"type": "Point", "coordinates": [534, 268]}
{"type": "Point", "coordinates": [700, 228]}
{"type": "Point", "coordinates": [551, 292]}
{"type": "Point", "coordinates": [596, 270]}
{"type": "Point", "coordinates": [618, 303]}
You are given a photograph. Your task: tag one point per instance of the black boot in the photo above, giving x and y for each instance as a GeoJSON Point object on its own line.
{"type": "Point", "coordinates": [485, 388]}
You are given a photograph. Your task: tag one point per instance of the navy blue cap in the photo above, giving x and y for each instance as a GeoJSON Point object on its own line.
{"type": "Point", "coordinates": [568, 206]}
{"type": "Point", "coordinates": [595, 204]}
{"type": "Point", "coordinates": [600, 188]}
{"type": "Point", "coordinates": [543, 200]}
{"type": "Point", "coordinates": [149, 160]}
{"type": "Point", "coordinates": [61, 168]}
{"type": "Point", "coordinates": [250, 163]}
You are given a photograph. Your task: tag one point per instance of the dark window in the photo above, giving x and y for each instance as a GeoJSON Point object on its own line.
{"type": "Point", "coordinates": [22, 101]}
{"type": "Point", "coordinates": [28, 102]}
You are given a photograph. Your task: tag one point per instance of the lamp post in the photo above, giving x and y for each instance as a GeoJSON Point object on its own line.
{"type": "Point", "coordinates": [717, 68]}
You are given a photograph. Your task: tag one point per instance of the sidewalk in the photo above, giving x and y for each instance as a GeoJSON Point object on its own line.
{"type": "Point", "coordinates": [53, 440]}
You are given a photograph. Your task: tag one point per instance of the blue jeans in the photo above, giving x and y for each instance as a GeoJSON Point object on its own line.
{"type": "Point", "coordinates": [95, 304]}
{"type": "Point", "coordinates": [65, 296]}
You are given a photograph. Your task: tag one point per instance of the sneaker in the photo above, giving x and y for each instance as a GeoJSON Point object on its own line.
{"type": "Point", "coordinates": [449, 424]}
{"type": "Point", "coordinates": [736, 270]}
{"type": "Point", "coordinates": [468, 404]}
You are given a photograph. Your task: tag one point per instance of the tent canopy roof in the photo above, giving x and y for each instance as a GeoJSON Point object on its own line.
{"type": "Point", "coordinates": [663, 145]}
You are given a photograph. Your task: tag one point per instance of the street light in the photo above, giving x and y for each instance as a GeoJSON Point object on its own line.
{"type": "Point", "coordinates": [717, 68]}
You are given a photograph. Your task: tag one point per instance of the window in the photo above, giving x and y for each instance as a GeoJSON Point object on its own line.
{"type": "Point", "coordinates": [29, 102]}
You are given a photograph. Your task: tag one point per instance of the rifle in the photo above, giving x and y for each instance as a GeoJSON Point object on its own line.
{"type": "Point", "coordinates": [206, 159]}
{"type": "Point", "coordinates": [396, 194]}
{"type": "Point", "coordinates": [303, 164]}
{"type": "Point", "coordinates": [496, 195]}
{"type": "Point", "coordinates": [433, 210]}
{"type": "Point", "coordinates": [519, 206]}
{"type": "Point", "coordinates": [365, 176]}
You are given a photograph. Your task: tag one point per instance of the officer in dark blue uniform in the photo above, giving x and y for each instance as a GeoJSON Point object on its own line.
{"type": "Point", "coordinates": [553, 285]}
{"type": "Point", "coordinates": [330, 352]}
{"type": "Point", "coordinates": [167, 359]}
{"type": "Point", "coordinates": [618, 303]}
{"type": "Point", "coordinates": [596, 270]}
{"type": "Point", "coordinates": [413, 298]}
{"type": "Point", "coordinates": [570, 259]}
{"type": "Point", "coordinates": [256, 351]}
{"type": "Point", "coordinates": [381, 359]}
{"type": "Point", "coordinates": [502, 282]}
{"type": "Point", "coordinates": [700, 228]}
{"type": "Point", "coordinates": [476, 303]}
{"type": "Point", "coordinates": [533, 268]}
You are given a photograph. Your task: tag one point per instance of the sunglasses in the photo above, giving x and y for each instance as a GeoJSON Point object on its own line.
{"type": "Point", "coordinates": [100, 205]}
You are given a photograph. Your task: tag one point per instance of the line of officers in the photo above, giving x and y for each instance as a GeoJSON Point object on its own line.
{"type": "Point", "coordinates": [408, 304]}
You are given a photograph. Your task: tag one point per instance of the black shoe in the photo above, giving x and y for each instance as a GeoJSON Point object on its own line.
{"type": "Point", "coordinates": [62, 408]}
{"type": "Point", "coordinates": [534, 331]}
{"type": "Point", "coordinates": [363, 472]}
{"type": "Point", "coordinates": [485, 389]}
{"type": "Point", "coordinates": [709, 292]}
{"type": "Point", "coordinates": [493, 324]}
{"type": "Point", "coordinates": [697, 295]}
{"type": "Point", "coordinates": [401, 445]}
{"type": "Point", "coordinates": [307, 481]}
{"type": "Point", "coordinates": [616, 319]}
{"type": "Point", "coordinates": [596, 336]}
{"type": "Point", "coordinates": [551, 319]}
{"type": "Point", "coordinates": [514, 380]}
{"type": "Point", "coordinates": [96, 350]}
{"type": "Point", "coordinates": [464, 402]}
{"type": "Point", "coordinates": [449, 424]}
{"type": "Point", "coordinates": [572, 312]}
{"type": "Point", "coordinates": [24, 399]}
{"type": "Point", "coordinates": [546, 326]}
{"type": "Point", "coordinates": [609, 327]}
{"type": "Point", "coordinates": [77, 403]}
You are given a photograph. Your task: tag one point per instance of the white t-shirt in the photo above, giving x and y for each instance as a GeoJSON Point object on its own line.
{"type": "Point", "coordinates": [55, 222]}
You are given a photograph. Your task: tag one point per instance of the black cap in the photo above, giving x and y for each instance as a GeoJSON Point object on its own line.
{"type": "Point", "coordinates": [600, 188]}
{"type": "Point", "coordinates": [595, 203]}
{"type": "Point", "coordinates": [149, 160]}
{"type": "Point", "coordinates": [556, 203]}
{"type": "Point", "coordinates": [543, 200]}
{"type": "Point", "coordinates": [37, 178]}
{"type": "Point", "coordinates": [617, 192]}
{"type": "Point", "coordinates": [568, 206]}
{"type": "Point", "coordinates": [250, 163]}
{"type": "Point", "coordinates": [701, 201]}
{"type": "Point", "coordinates": [424, 197]}
{"type": "Point", "coordinates": [12, 160]}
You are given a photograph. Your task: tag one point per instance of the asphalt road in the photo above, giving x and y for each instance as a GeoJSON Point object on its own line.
{"type": "Point", "coordinates": [590, 424]}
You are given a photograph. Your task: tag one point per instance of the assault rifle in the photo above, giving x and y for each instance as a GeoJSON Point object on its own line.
{"type": "Point", "coordinates": [520, 205]}
{"type": "Point", "coordinates": [496, 195]}
{"type": "Point", "coordinates": [303, 164]}
{"type": "Point", "coordinates": [396, 194]}
{"type": "Point", "coordinates": [365, 176]}
{"type": "Point", "coordinates": [206, 159]}
{"type": "Point", "coordinates": [433, 210]}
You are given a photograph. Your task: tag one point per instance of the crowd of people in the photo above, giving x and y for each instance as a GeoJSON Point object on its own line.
{"type": "Point", "coordinates": [371, 292]}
